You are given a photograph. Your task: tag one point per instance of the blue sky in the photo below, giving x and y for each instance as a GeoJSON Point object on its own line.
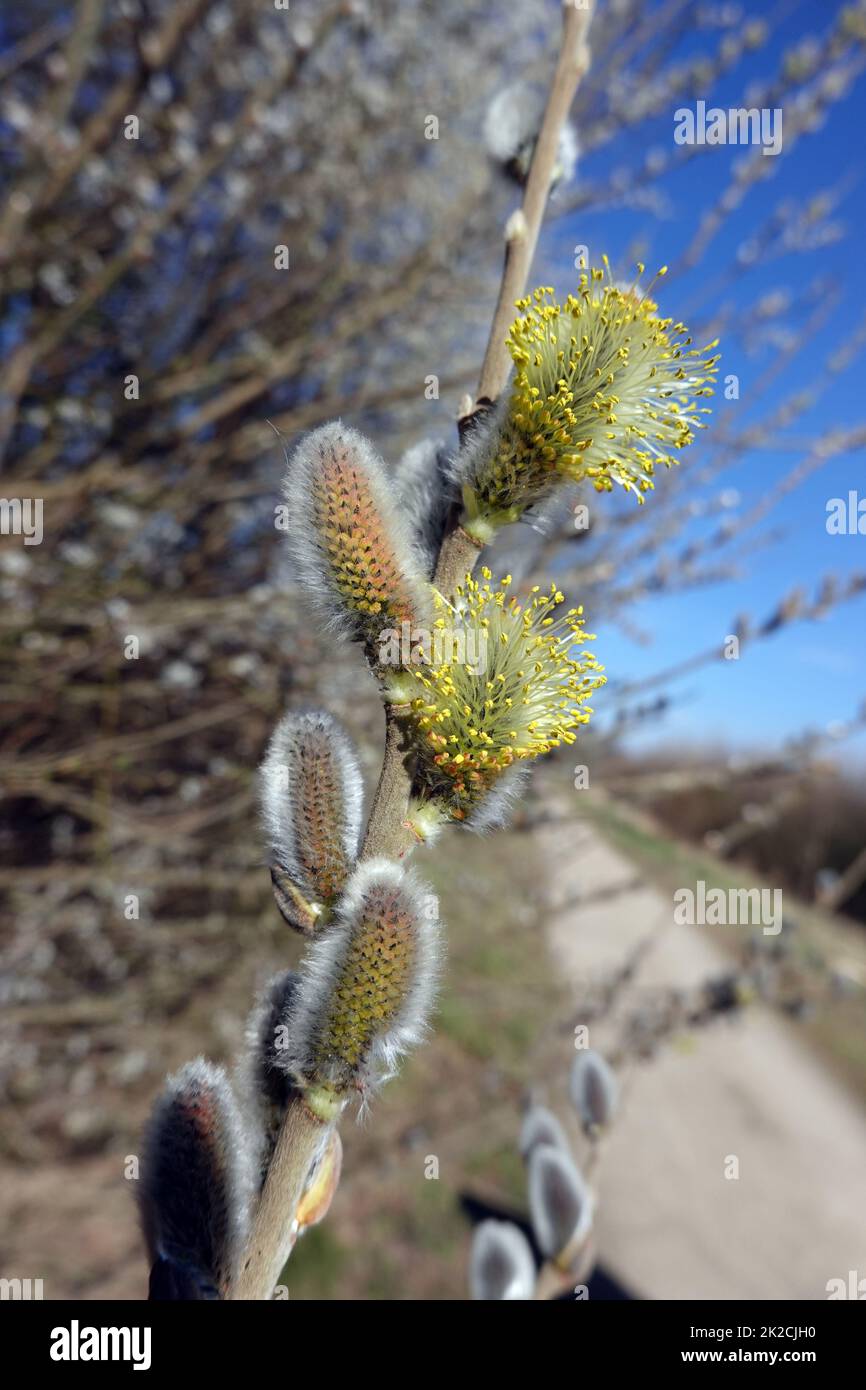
{"type": "Point", "coordinates": [812, 672]}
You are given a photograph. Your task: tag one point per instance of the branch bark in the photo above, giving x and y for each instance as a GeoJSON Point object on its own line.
{"type": "Point", "coordinates": [302, 1139]}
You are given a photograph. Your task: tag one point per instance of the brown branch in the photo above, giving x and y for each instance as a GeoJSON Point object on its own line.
{"type": "Point", "coordinates": [456, 559]}
{"type": "Point", "coordinates": [387, 830]}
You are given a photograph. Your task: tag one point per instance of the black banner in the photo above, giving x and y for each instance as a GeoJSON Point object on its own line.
{"type": "Point", "coordinates": [80, 1339]}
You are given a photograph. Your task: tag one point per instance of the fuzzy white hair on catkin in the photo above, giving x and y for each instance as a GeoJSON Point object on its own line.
{"type": "Point", "coordinates": [323, 961]}
{"type": "Point", "coordinates": [281, 813]}
{"type": "Point", "coordinates": [593, 1089]}
{"type": "Point", "coordinates": [511, 126]}
{"type": "Point", "coordinates": [467, 463]}
{"type": "Point", "coordinates": [311, 562]}
{"type": "Point", "coordinates": [541, 1126]}
{"type": "Point", "coordinates": [560, 1200]}
{"type": "Point", "coordinates": [495, 810]}
{"type": "Point", "coordinates": [512, 118]}
{"type": "Point", "coordinates": [424, 495]}
{"type": "Point", "coordinates": [263, 1088]}
{"type": "Point", "coordinates": [501, 1265]}
{"type": "Point", "coordinates": [166, 1161]}
{"type": "Point", "coordinates": [567, 154]}
{"type": "Point", "coordinates": [554, 505]}
{"type": "Point", "coordinates": [478, 445]}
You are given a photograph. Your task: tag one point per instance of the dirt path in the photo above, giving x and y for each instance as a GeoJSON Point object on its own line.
{"type": "Point", "coordinates": [671, 1225]}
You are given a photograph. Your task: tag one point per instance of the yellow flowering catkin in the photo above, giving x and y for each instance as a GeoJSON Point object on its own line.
{"type": "Point", "coordinates": [366, 985]}
{"type": "Point", "coordinates": [604, 390]}
{"type": "Point", "coordinates": [505, 682]}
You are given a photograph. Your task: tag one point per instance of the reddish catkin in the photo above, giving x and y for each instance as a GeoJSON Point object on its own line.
{"type": "Point", "coordinates": [353, 553]}
{"type": "Point", "coordinates": [312, 803]}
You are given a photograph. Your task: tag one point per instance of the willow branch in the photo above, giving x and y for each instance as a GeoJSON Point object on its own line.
{"type": "Point", "coordinates": [388, 831]}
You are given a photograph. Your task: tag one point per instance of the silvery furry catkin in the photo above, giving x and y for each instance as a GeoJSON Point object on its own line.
{"type": "Point", "coordinates": [560, 1202]}
{"type": "Point", "coordinates": [265, 1088]}
{"type": "Point", "coordinates": [594, 1091]}
{"type": "Point", "coordinates": [425, 495]}
{"type": "Point", "coordinates": [312, 802]}
{"type": "Point", "coordinates": [196, 1183]}
{"type": "Point", "coordinates": [367, 984]}
{"type": "Point", "coordinates": [352, 549]}
{"type": "Point", "coordinates": [501, 1267]}
{"type": "Point", "coordinates": [540, 1126]}
{"type": "Point", "coordinates": [511, 126]}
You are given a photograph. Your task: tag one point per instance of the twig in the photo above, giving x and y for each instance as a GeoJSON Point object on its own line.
{"type": "Point", "coordinates": [459, 551]}
{"type": "Point", "coordinates": [554, 1279]}
{"type": "Point", "coordinates": [456, 559]}
{"type": "Point", "coordinates": [301, 1141]}
{"type": "Point", "coordinates": [524, 227]}
{"type": "Point", "coordinates": [387, 830]}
